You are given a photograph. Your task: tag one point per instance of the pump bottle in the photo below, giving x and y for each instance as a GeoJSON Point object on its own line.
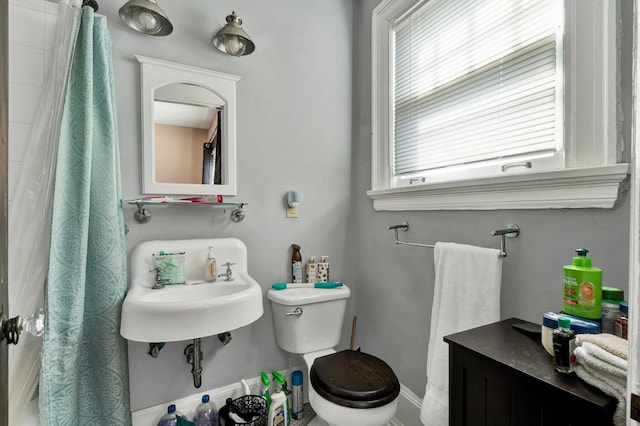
{"type": "Point", "coordinates": [211, 267]}
{"type": "Point", "coordinates": [582, 295]}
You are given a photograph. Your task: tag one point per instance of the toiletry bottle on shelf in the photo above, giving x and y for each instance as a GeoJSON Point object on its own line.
{"type": "Point", "coordinates": [564, 344]}
{"type": "Point", "coordinates": [622, 321]}
{"type": "Point", "coordinates": [311, 271]}
{"type": "Point", "coordinates": [265, 388]}
{"type": "Point", "coordinates": [211, 267]}
{"type": "Point", "coordinates": [611, 298]}
{"type": "Point", "coordinates": [297, 401]}
{"type": "Point", "coordinates": [296, 264]}
{"type": "Point", "coordinates": [169, 418]}
{"type": "Point", "coordinates": [323, 269]}
{"type": "Point", "coordinates": [582, 294]}
{"type": "Point", "coordinates": [280, 381]}
{"type": "Point", "coordinates": [277, 409]}
{"type": "Point", "coordinates": [206, 413]}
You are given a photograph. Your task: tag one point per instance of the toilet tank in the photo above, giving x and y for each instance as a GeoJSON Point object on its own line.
{"type": "Point", "coordinates": [318, 325]}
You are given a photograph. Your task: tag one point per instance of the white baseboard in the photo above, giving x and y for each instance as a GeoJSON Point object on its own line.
{"type": "Point", "coordinates": [409, 404]}
{"type": "Point", "coordinates": [408, 413]}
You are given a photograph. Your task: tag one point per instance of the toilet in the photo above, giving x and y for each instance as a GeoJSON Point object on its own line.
{"type": "Point", "coordinates": [346, 388]}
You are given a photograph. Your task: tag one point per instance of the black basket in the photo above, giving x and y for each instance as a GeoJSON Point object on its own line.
{"type": "Point", "coordinates": [251, 408]}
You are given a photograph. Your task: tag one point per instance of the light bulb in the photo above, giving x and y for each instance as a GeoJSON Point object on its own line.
{"type": "Point", "coordinates": [234, 45]}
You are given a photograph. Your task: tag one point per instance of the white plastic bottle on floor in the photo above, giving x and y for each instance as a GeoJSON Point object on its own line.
{"type": "Point", "coordinates": [206, 413]}
{"type": "Point", "coordinates": [278, 409]}
{"type": "Point", "coordinates": [169, 419]}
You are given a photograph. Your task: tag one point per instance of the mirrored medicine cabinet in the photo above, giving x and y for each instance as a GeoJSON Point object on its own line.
{"type": "Point", "coordinates": [188, 129]}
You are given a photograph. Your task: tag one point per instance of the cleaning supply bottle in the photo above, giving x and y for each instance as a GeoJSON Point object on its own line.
{"type": "Point", "coordinates": [582, 283]}
{"type": "Point", "coordinates": [279, 378]}
{"type": "Point", "coordinates": [297, 403]}
{"type": "Point", "coordinates": [296, 264]}
{"type": "Point", "coordinates": [211, 267]}
{"type": "Point", "coordinates": [169, 419]}
{"type": "Point", "coordinates": [265, 388]}
{"type": "Point", "coordinates": [206, 413]}
{"type": "Point", "coordinates": [564, 344]}
{"type": "Point", "coordinates": [277, 409]}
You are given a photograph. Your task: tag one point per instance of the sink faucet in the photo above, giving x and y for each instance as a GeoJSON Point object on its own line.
{"type": "Point", "coordinates": [228, 272]}
{"type": "Point", "coordinates": [158, 282]}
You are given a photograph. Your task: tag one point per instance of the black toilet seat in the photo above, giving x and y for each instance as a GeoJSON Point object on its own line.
{"type": "Point", "coordinates": [354, 379]}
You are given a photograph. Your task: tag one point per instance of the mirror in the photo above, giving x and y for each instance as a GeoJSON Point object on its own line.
{"type": "Point", "coordinates": [188, 129]}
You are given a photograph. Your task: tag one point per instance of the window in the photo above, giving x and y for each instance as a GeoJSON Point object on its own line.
{"type": "Point", "coordinates": [478, 105]}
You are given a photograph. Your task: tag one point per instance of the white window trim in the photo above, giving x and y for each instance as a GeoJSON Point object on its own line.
{"type": "Point", "coordinates": [593, 175]}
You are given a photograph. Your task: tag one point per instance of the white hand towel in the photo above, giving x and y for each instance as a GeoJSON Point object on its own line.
{"type": "Point", "coordinates": [466, 295]}
{"type": "Point", "coordinates": [607, 358]}
{"type": "Point", "coordinates": [596, 366]}
{"type": "Point", "coordinates": [611, 388]}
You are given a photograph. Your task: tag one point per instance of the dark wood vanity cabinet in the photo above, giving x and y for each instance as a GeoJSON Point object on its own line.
{"type": "Point", "coordinates": [500, 376]}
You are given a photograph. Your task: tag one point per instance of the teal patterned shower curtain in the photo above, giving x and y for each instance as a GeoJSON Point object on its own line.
{"type": "Point", "coordinates": [84, 376]}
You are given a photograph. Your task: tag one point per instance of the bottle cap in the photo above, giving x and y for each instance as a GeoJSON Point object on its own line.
{"type": "Point", "coordinates": [612, 294]}
{"type": "Point", "coordinates": [278, 377]}
{"type": "Point", "coordinates": [205, 398]}
{"type": "Point", "coordinates": [564, 322]}
{"type": "Point", "coordinates": [171, 409]}
{"type": "Point", "coordinates": [296, 378]}
{"type": "Point", "coordinates": [265, 379]}
{"type": "Point", "coordinates": [624, 307]}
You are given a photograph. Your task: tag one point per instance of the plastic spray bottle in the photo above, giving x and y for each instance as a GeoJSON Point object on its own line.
{"type": "Point", "coordinates": [265, 388]}
{"type": "Point", "coordinates": [582, 283]}
{"type": "Point", "coordinates": [279, 378]}
{"type": "Point", "coordinates": [278, 409]}
{"type": "Point", "coordinates": [211, 267]}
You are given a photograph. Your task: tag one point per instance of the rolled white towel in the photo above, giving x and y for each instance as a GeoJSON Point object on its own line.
{"type": "Point", "coordinates": [613, 344]}
{"type": "Point", "coordinates": [611, 389]}
{"type": "Point", "coordinates": [600, 368]}
{"type": "Point", "coordinates": [605, 356]}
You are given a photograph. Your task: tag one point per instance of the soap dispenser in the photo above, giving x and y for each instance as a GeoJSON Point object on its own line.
{"type": "Point", "coordinates": [582, 284]}
{"type": "Point", "coordinates": [211, 267]}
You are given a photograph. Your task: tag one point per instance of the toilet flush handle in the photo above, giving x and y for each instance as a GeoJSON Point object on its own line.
{"type": "Point", "coordinates": [297, 312]}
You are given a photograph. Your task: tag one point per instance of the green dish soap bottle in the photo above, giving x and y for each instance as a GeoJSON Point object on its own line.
{"type": "Point", "coordinates": [582, 295]}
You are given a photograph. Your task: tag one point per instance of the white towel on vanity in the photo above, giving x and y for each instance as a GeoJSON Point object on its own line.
{"type": "Point", "coordinates": [466, 295]}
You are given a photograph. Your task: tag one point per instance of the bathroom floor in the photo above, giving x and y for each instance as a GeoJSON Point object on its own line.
{"type": "Point", "coordinates": [309, 414]}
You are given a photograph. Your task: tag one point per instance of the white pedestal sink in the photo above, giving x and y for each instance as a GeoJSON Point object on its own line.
{"type": "Point", "coordinates": [192, 310]}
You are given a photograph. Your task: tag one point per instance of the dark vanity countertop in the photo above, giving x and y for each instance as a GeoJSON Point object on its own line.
{"type": "Point", "coordinates": [501, 343]}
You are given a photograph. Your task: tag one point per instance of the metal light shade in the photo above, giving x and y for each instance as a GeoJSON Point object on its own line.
{"type": "Point", "coordinates": [146, 17]}
{"type": "Point", "coordinates": [232, 39]}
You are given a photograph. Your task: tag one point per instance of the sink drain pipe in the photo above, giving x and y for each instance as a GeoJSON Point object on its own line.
{"type": "Point", "coordinates": [194, 357]}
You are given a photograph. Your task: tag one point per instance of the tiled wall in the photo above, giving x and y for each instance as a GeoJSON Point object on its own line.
{"type": "Point", "coordinates": [32, 25]}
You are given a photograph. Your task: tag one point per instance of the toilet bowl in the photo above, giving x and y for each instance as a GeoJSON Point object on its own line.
{"type": "Point", "coordinates": [346, 388]}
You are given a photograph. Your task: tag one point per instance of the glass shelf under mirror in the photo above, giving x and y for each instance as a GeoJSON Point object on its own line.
{"type": "Point", "coordinates": [143, 215]}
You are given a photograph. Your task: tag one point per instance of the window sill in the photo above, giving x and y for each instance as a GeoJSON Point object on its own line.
{"type": "Point", "coordinates": [588, 187]}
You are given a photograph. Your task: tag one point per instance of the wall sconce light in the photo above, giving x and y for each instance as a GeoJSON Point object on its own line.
{"type": "Point", "coordinates": [232, 39]}
{"type": "Point", "coordinates": [146, 17]}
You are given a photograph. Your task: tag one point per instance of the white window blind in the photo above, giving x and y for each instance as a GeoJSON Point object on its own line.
{"type": "Point", "coordinates": [476, 80]}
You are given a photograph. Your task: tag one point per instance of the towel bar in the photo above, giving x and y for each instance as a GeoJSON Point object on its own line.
{"type": "Point", "coordinates": [510, 231]}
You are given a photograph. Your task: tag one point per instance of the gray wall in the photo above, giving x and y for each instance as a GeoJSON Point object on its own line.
{"type": "Point", "coordinates": [294, 132]}
{"type": "Point", "coordinates": [304, 122]}
{"type": "Point", "coordinates": [395, 283]}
